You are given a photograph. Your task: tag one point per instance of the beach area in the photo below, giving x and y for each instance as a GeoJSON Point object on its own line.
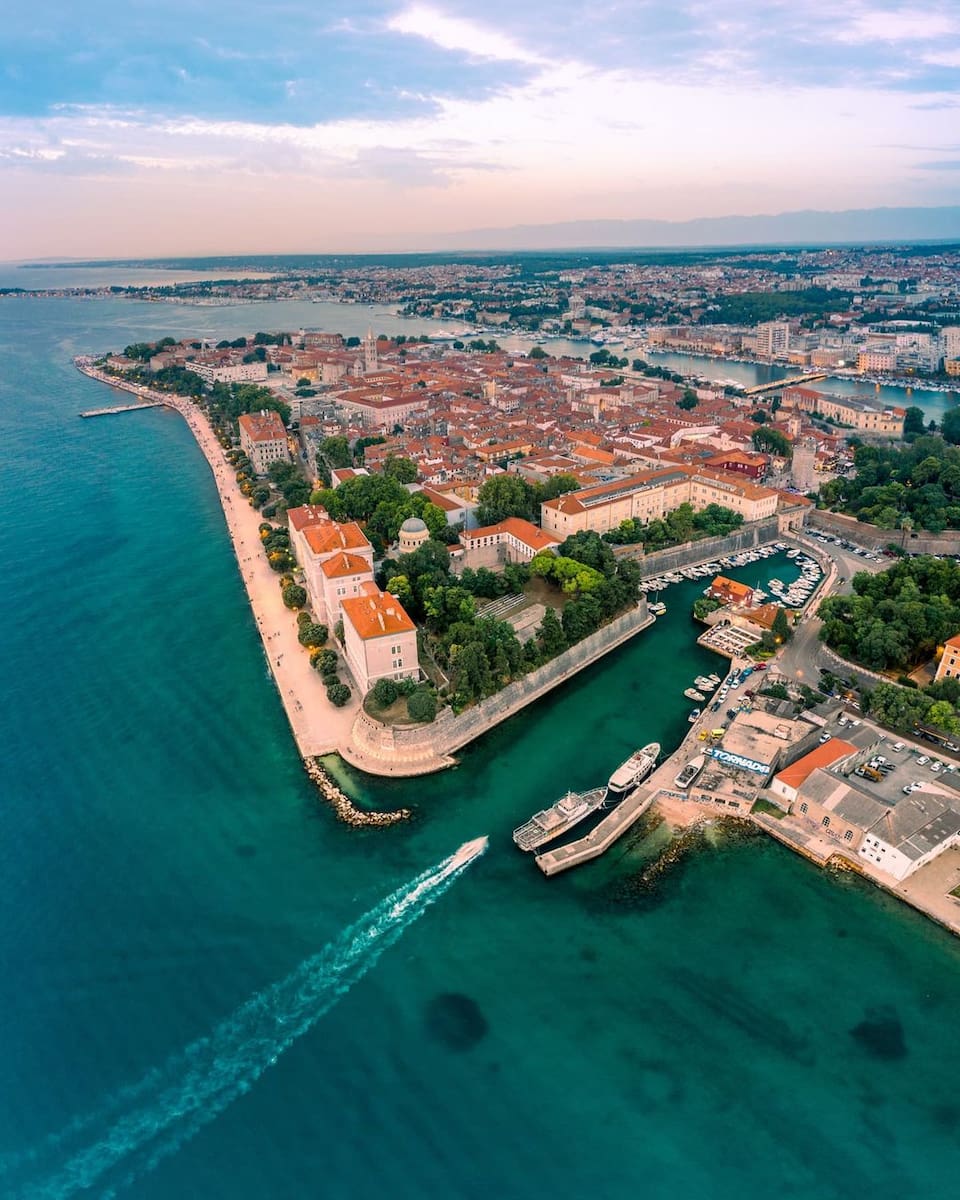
{"type": "Point", "coordinates": [318, 728]}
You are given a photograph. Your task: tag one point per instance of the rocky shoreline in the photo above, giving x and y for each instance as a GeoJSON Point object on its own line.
{"type": "Point", "coordinates": [343, 806]}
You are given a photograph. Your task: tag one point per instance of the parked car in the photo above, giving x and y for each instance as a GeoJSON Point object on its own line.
{"type": "Point", "coordinates": [897, 747]}
{"type": "Point", "coordinates": [824, 737]}
{"type": "Point", "coordinates": [923, 760]}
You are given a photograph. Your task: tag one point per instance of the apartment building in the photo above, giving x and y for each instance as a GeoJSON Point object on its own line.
{"type": "Point", "coordinates": [263, 439]}
{"type": "Point", "coordinates": [653, 494]}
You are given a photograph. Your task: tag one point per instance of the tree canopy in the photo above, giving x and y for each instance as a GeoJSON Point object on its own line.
{"type": "Point", "coordinates": [896, 618]}
{"type": "Point", "coordinates": [920, 483]}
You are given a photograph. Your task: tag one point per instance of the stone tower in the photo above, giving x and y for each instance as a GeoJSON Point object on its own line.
{"type": "Point", "coordinates": [803, 469]}
{"type": "Point", "coordinates": [370, 359]}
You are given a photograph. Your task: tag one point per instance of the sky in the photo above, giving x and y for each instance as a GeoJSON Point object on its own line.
{"type": "Point", "coordinates": [206, 127]}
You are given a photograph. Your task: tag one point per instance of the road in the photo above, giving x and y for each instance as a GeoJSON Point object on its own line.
{"type": "Point", "coordinates": [804, 655]}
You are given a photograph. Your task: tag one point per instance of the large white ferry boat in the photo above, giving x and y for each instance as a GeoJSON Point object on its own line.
{"type": "Point", "coordinates": [568, 811]}
{"type": "Point", "coordinates": [630, 774]}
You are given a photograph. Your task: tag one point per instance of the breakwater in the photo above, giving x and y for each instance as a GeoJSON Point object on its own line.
{"type": "Point", "coordinates": [341, 803]}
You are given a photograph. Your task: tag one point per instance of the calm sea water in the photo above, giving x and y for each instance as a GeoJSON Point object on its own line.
{"type": "Point", "coordinates": [753, 1028]}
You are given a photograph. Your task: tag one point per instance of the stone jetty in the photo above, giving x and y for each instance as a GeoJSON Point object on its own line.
{"type": "Point", "coordinates": [343, 806]}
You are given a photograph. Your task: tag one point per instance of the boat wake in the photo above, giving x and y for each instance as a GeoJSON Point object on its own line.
{"type": "Point", "coordinates": [143, 1124]}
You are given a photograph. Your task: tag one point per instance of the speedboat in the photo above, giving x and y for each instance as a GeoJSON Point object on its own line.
{"type": "Point", "coordinates": [693, 694]}
{"type": "Point", "coordinates": [689, 773]}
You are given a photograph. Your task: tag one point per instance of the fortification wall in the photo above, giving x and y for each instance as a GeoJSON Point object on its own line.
{"type": "Point", "coordinates": [757, 533]}
{"type": "Point", "coordinates": [873, 538]}
{"type": "Point", "coordinates": [417, 749]}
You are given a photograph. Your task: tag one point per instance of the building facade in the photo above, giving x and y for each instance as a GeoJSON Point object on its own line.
{"type": "Point", "coordinates": [653, 494]}
{"type": "Point", "coordinates": [379, 638]}
{"type": "Point", "coordinates": [263, 439]}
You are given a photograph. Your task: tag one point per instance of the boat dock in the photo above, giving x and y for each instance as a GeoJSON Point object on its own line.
{"type": "Point", "coordinates": [121, 408]}
{"type": "Point", "coordinates": [601, 837]}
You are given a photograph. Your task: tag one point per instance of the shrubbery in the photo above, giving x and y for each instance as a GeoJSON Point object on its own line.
{"type": "Point", "coordinates": [338, 693]}
{"type": "Point", "coordinates": [422, 705]}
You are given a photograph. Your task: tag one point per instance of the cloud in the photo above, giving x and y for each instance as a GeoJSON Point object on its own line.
{"type": "Point", "coordinates": [943, 164]}
{"type": "Point", "coordinates": [457, 33]}
{"type": "Point", "coordinates": [897, 25]}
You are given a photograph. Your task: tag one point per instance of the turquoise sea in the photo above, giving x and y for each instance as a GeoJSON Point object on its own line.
{"type": "Point", "coordinates": [751, 1028]}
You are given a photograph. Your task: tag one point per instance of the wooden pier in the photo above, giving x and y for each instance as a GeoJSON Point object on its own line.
{"type": "Point", "coordinates": [121, 408]}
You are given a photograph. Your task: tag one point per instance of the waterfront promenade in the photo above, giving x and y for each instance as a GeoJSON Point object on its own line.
{"type": "Point", "coordinates": [318, 727]}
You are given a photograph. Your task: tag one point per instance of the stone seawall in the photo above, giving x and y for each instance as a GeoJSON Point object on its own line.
{"type": "Point", "coordinates": [758, 533]}
{"type": "Point", "coordinates": [873, 538]}
{"type": "Point", "coordinates": [403, 750]}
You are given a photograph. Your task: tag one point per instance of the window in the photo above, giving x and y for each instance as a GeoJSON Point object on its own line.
{"type": "Point", "coordinates": [825, 822]}
{"type": "Point", "coordinates": [803, 808]}
{"type": "Point", "coordinates": [848, 836]}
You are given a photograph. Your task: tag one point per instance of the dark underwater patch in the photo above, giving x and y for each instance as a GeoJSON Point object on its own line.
{"type": "Point", "coordinates": [245, 850]}
{"type": "Point", "coordinates": [455, 1020]}
{"type": "Point", "coordinates": [880, 1033]}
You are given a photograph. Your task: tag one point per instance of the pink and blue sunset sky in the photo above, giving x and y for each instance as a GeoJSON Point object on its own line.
{"type": "Point", "coordinates": [203, 128]}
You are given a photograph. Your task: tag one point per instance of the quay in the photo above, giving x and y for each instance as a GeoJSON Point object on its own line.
{"type": "Point", "coordinates": [659, 787]}
{"type": "Point", "coordinates": [601, 837]}
{"type": "Point", "coordinates": [121, 408]}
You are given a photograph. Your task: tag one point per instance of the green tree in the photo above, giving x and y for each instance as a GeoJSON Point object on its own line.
{"type": "Point", "coordinates": [384, 692]}
{"type": "Point", "coordinates": [336, 451]}
{"type": "Point", "coordinates": [503, 496]}
{"type": "Point", "coordinates": [403, 470]}
{"type": "Point", "coordinates": [772, 441]}
{"type": "Point", "coordinates": [550, 635]}
{"type": "Point", "coordinates": [688, 400]}
{"type": "Point", "coordinates": [325, 661]}
{"type": "Point", "coordinates": [781, 627]}
{"type": "Point", "coordinates": [913, 423]}
{"type": "Point", "coordinates": [422, 705]}
{"type": "Point", "coordinates": [312, 634]}
{"type": "Point", "coordinates": [472, 671]}
{"type": "Point", "coordinates": [950, 425]}
{"type": "Point", "coordinates": [538, 352]}
{"type": "Point", "coordinates": [338, 694]}
{"type": "Point", "coordinates": [294, 596]}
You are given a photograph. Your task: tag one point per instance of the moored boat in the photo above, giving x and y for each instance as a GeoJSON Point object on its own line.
{"type": "Point", "coordinates": [691, 693]}
{"type": "Point", "coordinates": [689, 773]}
{"type": "Point", "coordinates": [630, 774]}
{"type": "Point", "coordinates": [568, 811]}
{"type": "Point", "coordinates": [694, 715]}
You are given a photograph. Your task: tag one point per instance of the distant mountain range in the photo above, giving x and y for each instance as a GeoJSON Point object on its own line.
{"type": "Point", "coordinates": [809, 227]}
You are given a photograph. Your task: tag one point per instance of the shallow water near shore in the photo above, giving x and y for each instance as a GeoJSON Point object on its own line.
{"type": "Point", "coordinates": [762, 1028]}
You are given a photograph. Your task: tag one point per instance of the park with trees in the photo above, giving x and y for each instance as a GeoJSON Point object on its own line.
{"type": "Point", "coordinates": [895, 619]}
{"type": "Point", "coordinates": [914, 487]}
{"type": "Point", "coordinates": [582, 588]}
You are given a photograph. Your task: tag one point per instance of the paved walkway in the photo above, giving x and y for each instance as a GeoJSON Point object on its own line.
{"type": "Point", "coordinates": [318, 727]}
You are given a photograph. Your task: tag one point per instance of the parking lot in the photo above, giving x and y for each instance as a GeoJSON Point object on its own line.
{"type": "Point", "coordinates": [914, 762]}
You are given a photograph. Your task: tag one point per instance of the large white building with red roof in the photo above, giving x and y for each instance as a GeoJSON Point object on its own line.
{"type": "Point", "coordinates": [379, 638]}
{"type": "Point", "coordinates": [263, 439]}
{"type": "Point", "coordinates": [337, 559]}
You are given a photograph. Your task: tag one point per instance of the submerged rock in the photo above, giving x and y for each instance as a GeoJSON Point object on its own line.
{"type": "Point", "coordinates": [456, 1021]}
{"type": "Point", "coordinates": [880, 1033]}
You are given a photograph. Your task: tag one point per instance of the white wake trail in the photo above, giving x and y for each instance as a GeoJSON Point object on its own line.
{"type": "Point", "coordinates": [173, 1103]}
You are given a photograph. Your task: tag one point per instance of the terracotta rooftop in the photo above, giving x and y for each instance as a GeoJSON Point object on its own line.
{"type": "Point", "coordinates": [263, 427]}
{"type": "Point", "coordinates": [821, 756]}
{"type": "Point", "coordinates": [345, 564]}
{"type": "Point", "coordinates": [332, 536]}
{"type": "Point", "coordinates": [376, 614]}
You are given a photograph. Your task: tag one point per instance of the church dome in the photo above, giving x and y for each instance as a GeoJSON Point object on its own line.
{"type": "Point", "coordinates": [413, 525]}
